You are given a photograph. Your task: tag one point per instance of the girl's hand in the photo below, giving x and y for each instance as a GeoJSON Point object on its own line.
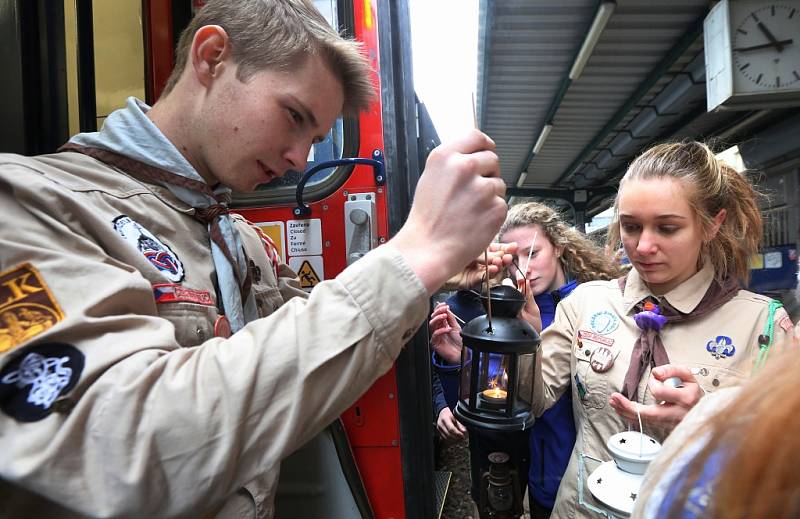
{"type": "Point", "coordinates": [449, 427]}
{"type": "Point", "coordinates": [499, 255]}
{"type": "Point", "coordinates": [446, 334]}
{"type": "Point", "coordinates": [674, 402]}
{"type": "Point", "coordinates": [530, 312]}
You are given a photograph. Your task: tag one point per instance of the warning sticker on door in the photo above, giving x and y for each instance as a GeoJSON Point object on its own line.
{"type": "Point", "coordinates": [309, 269]}
{"type": "Point", "coordinates": [304, 237]}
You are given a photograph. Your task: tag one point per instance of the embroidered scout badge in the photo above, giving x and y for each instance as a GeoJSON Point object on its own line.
{"type": "Point", "coordinates": [721, 347]}
{"type": "Point", "coordinates": [603, 322]}
{"type": "Point", "coordinates": [32, 381]}
{"type": "Point", "coordinates": [786, 323]}
{"type": "Point", "coordinates": [153, 249]}
{"type": "Point", "coordinates": [27, 307]}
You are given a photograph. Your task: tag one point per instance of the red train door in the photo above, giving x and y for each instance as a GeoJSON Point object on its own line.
{"type": "Point", "coordinates": [350, 208]}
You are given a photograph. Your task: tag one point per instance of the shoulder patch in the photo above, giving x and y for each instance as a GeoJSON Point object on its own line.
{"type": "Point", "coordinates": [35, 378]}
{"type": "Point", "coordinates": [27, 307]}
{"type": "Point", "coordinates": [783, 320]}
{"type": "Point", "coordinates": [156, 252]}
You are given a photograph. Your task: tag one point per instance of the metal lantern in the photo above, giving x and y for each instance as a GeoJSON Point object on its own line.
{"type": "Point", "coordinates": [495, 348]}
{"type": "Point", "coordinates": [615, 484]}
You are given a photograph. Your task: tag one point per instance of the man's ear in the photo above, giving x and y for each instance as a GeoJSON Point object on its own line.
{"type": "Point", "coordinates": [210, 47]}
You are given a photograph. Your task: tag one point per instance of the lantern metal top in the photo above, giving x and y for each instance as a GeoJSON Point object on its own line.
{"type": "Point", "coordinates": [506, 301]}
{"type": "Point", "coordinates": [633, 451]}
{"type": "Point", "coordinates": [506, 335]}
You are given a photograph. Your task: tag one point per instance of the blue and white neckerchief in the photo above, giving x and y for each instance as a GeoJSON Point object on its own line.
{"type": "Point", "coordinates": [129, 132]}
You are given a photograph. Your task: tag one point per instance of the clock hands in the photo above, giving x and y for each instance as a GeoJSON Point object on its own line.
{"type": "Point", "coordinates": [773, 40]}
{"type": "Point", "coordinates": [764, 45]}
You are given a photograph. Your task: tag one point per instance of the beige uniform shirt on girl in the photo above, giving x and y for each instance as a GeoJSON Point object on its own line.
{"type": "Point", "coordinates": [721, 346]}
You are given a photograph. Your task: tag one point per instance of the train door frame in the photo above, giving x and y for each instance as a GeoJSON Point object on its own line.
{"type": "Point", "coordinates": [404, 168]}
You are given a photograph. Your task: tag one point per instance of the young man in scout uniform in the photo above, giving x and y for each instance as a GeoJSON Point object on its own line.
{"type": "Point", "coordinates": [155, 356]}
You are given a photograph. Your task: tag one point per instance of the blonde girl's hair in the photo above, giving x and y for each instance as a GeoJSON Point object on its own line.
{"type": "Point", "coordinates": [711, 185]}
{"type": "Point", "coordinates": [279, 34]}
{"type": "Point", "coordinates": [581, 258]}
{"type": "Point", "coordinates": [762, 423]}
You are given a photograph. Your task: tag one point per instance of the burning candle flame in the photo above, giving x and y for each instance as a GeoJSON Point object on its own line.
{"type": "Point", "coordinates": [496, 392]}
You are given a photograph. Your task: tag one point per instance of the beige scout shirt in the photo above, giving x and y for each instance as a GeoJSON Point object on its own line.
{"type": "Point", "coordinates": [600, 315]}
{"type": "Point", "coordinates": [164, 419]}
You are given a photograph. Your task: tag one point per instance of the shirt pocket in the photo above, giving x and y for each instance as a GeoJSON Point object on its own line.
{"type": "Point", "coordinates": [589, 387]}
{"type": "Point", "coordinates": [193, 323]}
{"type": "Point", "coordinates": [268, 299]}
{"type": "Point", "coordinates": [711, 377]}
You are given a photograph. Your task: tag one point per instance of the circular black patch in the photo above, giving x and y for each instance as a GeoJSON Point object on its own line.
{"type": "Point", "coordinates": [36, 377]}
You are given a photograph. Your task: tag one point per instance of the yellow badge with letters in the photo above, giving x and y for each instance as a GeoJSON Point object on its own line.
{"type": "Point", "coordinates": [27, 307]}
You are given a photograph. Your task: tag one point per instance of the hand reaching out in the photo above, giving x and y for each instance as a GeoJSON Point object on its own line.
{"type": "Point", "coordinates": [674, 402]}
{"type": "Point", "coordinates": [499, 256]}
{"type": "Point", "coordinates": [449, 427]}
{"type": "Point", "coordinates": [530, 312]}
{"type": "Point", "coordinates": [445, 334]}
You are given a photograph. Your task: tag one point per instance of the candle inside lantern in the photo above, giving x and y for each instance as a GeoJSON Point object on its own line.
{"type": "Point", "coordinates": [495, 394]}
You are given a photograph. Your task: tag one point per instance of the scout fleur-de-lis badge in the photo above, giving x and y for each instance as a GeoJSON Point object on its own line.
{"type": "Point", "coordinates": [721, 347]}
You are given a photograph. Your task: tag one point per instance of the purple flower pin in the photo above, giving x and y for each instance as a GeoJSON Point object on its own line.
{"type": "Point", "coordinates": [650, 317]}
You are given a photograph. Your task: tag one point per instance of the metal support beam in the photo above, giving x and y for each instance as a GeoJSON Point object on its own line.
{"type": "Point", "coordinates": [663, 66]}
{"type": "Point", "coordinates": [568, 195]}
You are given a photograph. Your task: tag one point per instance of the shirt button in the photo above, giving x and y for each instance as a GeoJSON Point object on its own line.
{"type": "Point", "coordinates": [715, 382]}
{"type": "Point", "coordinates": [201, 334]}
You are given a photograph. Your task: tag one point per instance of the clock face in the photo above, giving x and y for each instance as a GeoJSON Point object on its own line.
{"type": "Point", "coordinates": [766, 48]}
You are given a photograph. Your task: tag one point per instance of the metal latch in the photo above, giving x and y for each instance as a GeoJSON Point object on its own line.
{"type": "Point", "coordinates": [360, 225]}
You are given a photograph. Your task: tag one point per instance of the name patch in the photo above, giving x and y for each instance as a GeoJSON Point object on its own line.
{"type": "Point", "coordinates": [174, 293]}
{"type": "Point", "coordinates": [585, 335]}
{"type": "Point", "coordinates": [27, 307]}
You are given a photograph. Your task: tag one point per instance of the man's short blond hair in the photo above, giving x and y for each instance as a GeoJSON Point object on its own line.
{"type": "Point", "coordinates": [279, 34]}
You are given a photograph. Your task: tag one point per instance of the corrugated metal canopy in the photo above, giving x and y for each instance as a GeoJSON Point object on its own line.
{"type": "Point", "coordinates": [644, 82]}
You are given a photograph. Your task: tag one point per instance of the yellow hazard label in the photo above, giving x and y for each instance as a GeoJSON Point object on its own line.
{"type": "Point", "coordinates": [275, 231]}
{"type": "Point", "coordinates": [308, 277]}
{"type": "Point", "coordinates": [27, 308]}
